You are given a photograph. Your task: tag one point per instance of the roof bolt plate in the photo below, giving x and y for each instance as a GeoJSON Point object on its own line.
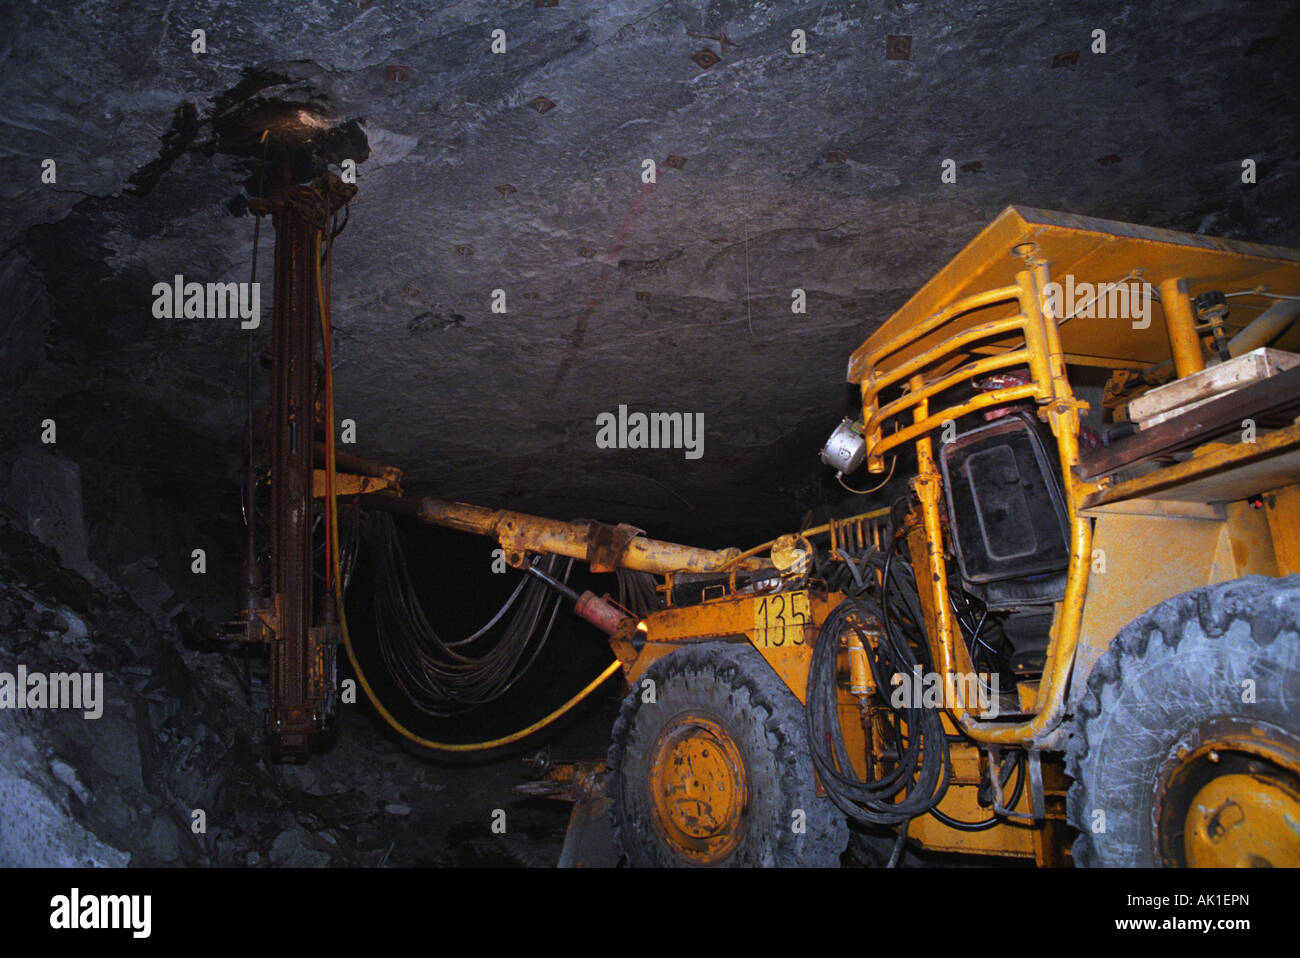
{"type": "Point", "coordinates": [705, 58]}
{"type": "Point", "coordinates": [898, 48]}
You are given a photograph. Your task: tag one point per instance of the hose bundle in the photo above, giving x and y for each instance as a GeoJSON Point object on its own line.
{"type": "Point", "coordinates": [445, 678]}
{"type": "Point", "coordinates": [636, 591]}
{"type": "Point", "coordinates": [884, 589]}
{"type": "Point", "coordinates": [921, 768]}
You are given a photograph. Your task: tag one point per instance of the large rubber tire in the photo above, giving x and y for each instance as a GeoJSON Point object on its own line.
{"type": "Point", "coordinates": [1169, 675]}
{"type": "Point", "coordinates": [732, 687]}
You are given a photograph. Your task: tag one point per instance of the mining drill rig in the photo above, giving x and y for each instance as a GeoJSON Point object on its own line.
{"type": "Point", "coordinates": [1060, 642]}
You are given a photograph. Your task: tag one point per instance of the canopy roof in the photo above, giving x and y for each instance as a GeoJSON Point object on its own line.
{"type": "Point", "coordinates": [1083, 250]}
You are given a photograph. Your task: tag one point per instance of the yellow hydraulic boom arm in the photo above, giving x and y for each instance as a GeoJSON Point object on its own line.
{"type": "Point", "coordinates": [602, 546]}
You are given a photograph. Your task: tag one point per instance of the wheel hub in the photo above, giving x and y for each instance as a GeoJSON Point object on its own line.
{"type": "Point", "coordinates": [1236, 817]}
{"type": "Point", "coordinates": [1231, 798]}
{"type": "Point", "coordinates": [700, 788]}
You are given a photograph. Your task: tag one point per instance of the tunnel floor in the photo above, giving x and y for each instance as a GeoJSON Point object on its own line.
{"type": "Point", "coordinates": [394, 808]}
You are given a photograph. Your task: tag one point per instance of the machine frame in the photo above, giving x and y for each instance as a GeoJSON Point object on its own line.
{"type": "Point", "coordinates": [1222, 500]}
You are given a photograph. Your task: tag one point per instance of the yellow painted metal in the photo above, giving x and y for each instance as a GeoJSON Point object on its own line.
{"type": "Point", "coordinates": [852, 535]}
{"type": "Point", "coordinates": [992, 308]}
{"type": "Point", "coordinates": [1160, 508]}
{"type": "Point", "coordinates": [1014, 839]}
{"type": "Point", "coordinates": [861, 681]}
{"type": "Point", "coordinates": [1234, 816]}
{"type": "Point", "coordinates": [961, 802]}
{"type": "Point", "coordinates": [1090, 250]}
{"type": "Point", "coordinates": [1282, 509]}
{"type": "Point", "coordinates": [834, 527]}
{"type": "Point", "coordinates": [699, 789]}
{"type": "Point", "coordinates": [1233, 800]}
{"type": "Point", "coordinates": [347, 484]}
{"type": "Point", "coordinates": [781, 619]}
{"type": "Point", "coordinates": [520, 533]}
{"type": "Point", "coordinates": [1125, 582]}
{"type": "Point", "coordinates": [919, 427]}
{"type": "Point", "coordinates": [1180, 327]}
{"type": "Point", "coordinates": [787, 649]}
{"type": "Point", "coordinates": [792, 554]}
{"type": "Point", "coordinates": [996, 328]}
{"type": "Point", "coordinates": [898, 342]}
{"type": "Point", "coordinates": [1208, 460]}
{"type": "Point", "coordinates": [926, 544]}
{"type": "Point", "coordinates": [1062, 412]}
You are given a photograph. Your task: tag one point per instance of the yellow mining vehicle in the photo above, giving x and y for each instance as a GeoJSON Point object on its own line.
{"type": "Point", "coordinates": [1048, 629]}
{"type": "Point", "coordinates": [1063, 637]}
{"type": "Point", "coordinates": [1145, 587]}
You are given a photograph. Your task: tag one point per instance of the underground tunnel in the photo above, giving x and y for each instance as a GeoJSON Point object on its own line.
{"type": "Point", "coordinates": [649, 434]}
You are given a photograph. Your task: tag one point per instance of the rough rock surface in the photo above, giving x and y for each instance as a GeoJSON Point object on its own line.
{"type": "Point", "coordinates": [179, 732]}
{"type": "Point", "coordinates": [774, 172]}
{"type": "Point", "coordinates": [819, 172]}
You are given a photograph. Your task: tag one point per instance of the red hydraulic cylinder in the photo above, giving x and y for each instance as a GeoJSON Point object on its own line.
{"type": "Point", "coordinates": [600, 612]}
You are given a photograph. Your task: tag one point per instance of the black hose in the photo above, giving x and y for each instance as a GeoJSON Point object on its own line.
{"type": "Point", "coordinates": [636, 591]}
{"type": "Point", "coordinates": [922, 770]}
{"type": "Point", "coordinates": [992, 819]}
{"type": "Point", "coordinates": [897, 855]}
{"type": "Point", "coordinates": [446, 678]}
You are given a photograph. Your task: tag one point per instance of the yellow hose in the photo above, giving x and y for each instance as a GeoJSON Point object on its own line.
{"type": "Point", "coordinates": [343, 619]}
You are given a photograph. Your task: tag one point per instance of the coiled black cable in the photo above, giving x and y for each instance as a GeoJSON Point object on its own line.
{"type": "Point", "coordinates": [922, 768]}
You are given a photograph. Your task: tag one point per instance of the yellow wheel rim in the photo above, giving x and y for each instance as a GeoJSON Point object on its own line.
{"type": "Point", "coordinates": [700, 788]}
{"type": "Point", "coordinates": [1230, 798]}
{"type": "Point", "coordinates": [1243, 820]}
